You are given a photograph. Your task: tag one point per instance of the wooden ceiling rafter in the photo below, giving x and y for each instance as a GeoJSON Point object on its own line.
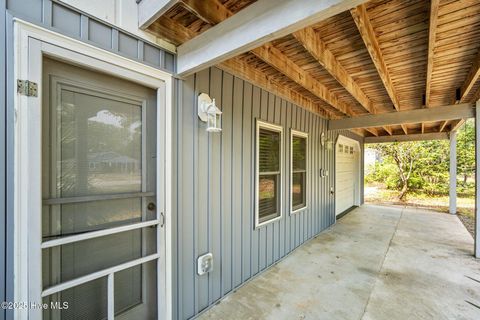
{"type": "Point", "coordinates": [472, 78]}
{"type": "Point", "coordinates": [275, 58]}
{"type": "Point", "coordinates": [314, 45]}
{"type": "Point", "coordinates": [269, 54]}
{"type": "Point", "coordinates": [360, 16]}
{"type": "Point", "coordinates": [382, 56]}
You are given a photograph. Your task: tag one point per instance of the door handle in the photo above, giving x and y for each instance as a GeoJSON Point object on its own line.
{"type": "Point", "coordinates": [163, 220]}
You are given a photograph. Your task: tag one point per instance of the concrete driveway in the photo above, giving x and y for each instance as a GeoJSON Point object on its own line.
{"type": "Point", "coordinates": [375, 263]}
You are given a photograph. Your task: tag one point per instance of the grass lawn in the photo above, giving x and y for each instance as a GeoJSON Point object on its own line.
{"type": "Point", "coordinates": [379, 194]}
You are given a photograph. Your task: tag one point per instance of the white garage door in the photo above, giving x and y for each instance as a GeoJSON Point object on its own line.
{"type": "Point", "coordinates": [346, 177]}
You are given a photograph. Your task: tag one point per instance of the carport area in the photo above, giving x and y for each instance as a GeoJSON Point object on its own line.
{"type": "Point", "coordinates": [375, 263]}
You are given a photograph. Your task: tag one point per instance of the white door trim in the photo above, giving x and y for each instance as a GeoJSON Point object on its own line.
{"type": "Point", "coordinates": [358, 168]}
{"type": "Point", "coordinates": [27, 173]}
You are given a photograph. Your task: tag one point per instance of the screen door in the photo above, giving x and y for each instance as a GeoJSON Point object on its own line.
{"type": "Point", "coordinates": [99, 236]}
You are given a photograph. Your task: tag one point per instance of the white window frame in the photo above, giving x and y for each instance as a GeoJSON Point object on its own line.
{"type": "Point", "coordinates": [273, 127]}
{"type": "Point", "coordinates": [301, 134]}
{"type": "Point", "coordinates": [32, 42]}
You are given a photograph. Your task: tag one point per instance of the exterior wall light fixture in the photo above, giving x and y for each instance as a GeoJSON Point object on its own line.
{"type": "Point", "coordinates": [209, 113]}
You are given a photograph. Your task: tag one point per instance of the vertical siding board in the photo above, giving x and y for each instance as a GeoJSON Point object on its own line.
{"type": "Point", "coordinates": [237, 225]}
{"type": "Point", "coordinates": [201, 192]}
{"type": "Point", "coordinates": [288, 218]}
{"type": "Point", "coordinates": [303, 213]}
{"type": "Point", "coordinates": [226, 170]}
{"type": "Point", "coordinates": [314, 147]}
{"type": "Point", "coordinates": [270, 228]}
{"type": "Point", "coordinates": [277, 229]}
{"type": "Point", "coordinates": [298, 217]}
{"type": "Point", "coordinates": [215, 226]}
{"type": "Point", "coordinates": [293, 217]}
{"type": "Point", "coordinates": [262, 259]}
{"type": "Point", "coordinates": [186, 209]}
{"type": "Point", "coordinates": [177, 200]}
{"type": "Point", "coordinates": [281, 240]}
{"type": "Point", "coordinates": [247, 181]}
{"type": "Point", "coordinates": [255, 237]}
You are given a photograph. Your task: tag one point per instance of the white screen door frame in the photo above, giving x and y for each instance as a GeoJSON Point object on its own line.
{"type": "Point", "coordinates": [31, 43]}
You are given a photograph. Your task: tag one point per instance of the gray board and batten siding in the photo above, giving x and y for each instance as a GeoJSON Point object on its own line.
{"type": "Point", "coordinates": [69, 21]}
{"type": "Point", "coordinates": [214, 188]}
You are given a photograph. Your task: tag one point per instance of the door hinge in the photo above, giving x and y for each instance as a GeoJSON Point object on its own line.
{"type": "Point", "coordinates": [27, 88]}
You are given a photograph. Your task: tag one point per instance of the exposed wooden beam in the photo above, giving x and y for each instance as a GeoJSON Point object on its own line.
{"type": "Point", "coordinates": [210, 11]}
{"type": "Point", "coordinates": [410, 137]}
{"type": "Point", "coordinates": [360, 16]}
{"type": "Point", "coordinates": [444, 124]}
{"type": "Point", "coordinates": [317, 48]}
{"type": "Point", "coordinates": [450, 112]}
{"type": "Point", "coordinates": [456, 124]}
{"type": "Point", "coordinates": [423, 127]}
{"type": "Point", "coordinates": [388, 129]}
{"type": "Point", "coordinates": [259, 23]}
{"type": "Point", "coordinates": [372, 131]}
{"type": "Point", "coordinates": [359, 132]}
{"type": "Point", "coordinates": [275, 58]}
{"type": "Point", "coordinates": [151, 10]}
{"type": "Point", "coordinates": [245, 71]}
{"type": "Point", "coordinates": [472, 78]}
{"type": "Point", "coordinates": [404, 128]}
{"type": "Point", "coordinates": [171, 30]}
{"type": "Point", "coordinates": [432, 31]}
{"type": "Point", "coordinates": [214, 12]}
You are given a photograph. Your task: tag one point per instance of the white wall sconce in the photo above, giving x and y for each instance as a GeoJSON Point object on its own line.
{"type": "Point", "coordinates": [326, 142]}
{"type": "Point", "coordinates": [329, 144]}
{"type": "Point", "coordinates": [209, 113]}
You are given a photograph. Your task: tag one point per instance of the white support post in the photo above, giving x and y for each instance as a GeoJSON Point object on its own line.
{"type": "Point", "coordinates": [477, 179]}
{"type": "Point", "coordinates": [453, 172]}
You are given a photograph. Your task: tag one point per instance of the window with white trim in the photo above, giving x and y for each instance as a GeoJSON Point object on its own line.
{"type": "Point", "coordinates": [298, 169]}
{"type": "Point", "coordinates": [269, 141]}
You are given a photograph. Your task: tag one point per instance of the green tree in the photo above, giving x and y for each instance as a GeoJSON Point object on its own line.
{"type": "Point", "coordinates": [424, 165]}
{"type": "Point", "coordinates": [466, 151]}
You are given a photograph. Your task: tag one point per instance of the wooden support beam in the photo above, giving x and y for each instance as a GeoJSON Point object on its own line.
{"type": "Point", "coordinates": [444, 124]}
{"type": "Point", "coordinates": [210, 11]}
{"type": "Point", "coordinates": [477, 186]}
{"type": "Point", "coordinates": [245, 71]}
{"type": "Point", "coordinates": [360, 16]}
{"type": "Point", "coordinates": [275, 58]}
{"type": "Point", "coordinates": [151, 10]}
{"type": "Point", "coordinates": [404, 128]}
{"type": "Point", "coordinates": [456, 124]}
{"type": "Point", "coordinates": [453, 173]}
{"type": "Point", "coordinates": [423, 127]}
{"type": "Point", "coordinates": [253, 26]}
{"type": "Point", "coordinates": [472, 78]}
{"type": "Point", "coordinates": [372, 131]}
{"type": "Point", "coordinates": [450, 112]}
{"type": "Point", "coordinates": [317, 49]}
{"type": "Point", "coordinates": [410, 137]}
{"type": "Point", "coordinates": [388, 129]}
{"type": "Point", "coordinates": [432, 32]}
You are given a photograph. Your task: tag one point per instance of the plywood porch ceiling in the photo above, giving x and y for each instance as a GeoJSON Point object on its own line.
{"type": "Point", "coordinates": [383, 56]}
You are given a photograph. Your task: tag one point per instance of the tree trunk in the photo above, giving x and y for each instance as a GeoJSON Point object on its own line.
{"type": "Point", "coordinates": [404, 190]}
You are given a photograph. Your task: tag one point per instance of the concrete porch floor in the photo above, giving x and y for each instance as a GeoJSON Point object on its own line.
{"type": "Point", "coordinates": [375, 263]}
